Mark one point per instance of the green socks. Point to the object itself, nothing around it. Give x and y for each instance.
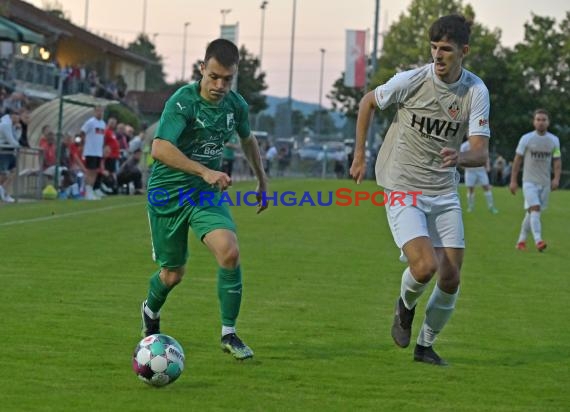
(229, 293)
(157, 293)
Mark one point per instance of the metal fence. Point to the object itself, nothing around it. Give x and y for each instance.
(28, 177)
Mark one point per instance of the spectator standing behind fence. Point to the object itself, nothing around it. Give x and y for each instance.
(73, 148)
(16, 102)
(130, 172)
(499, 170)
(92, 133)
(270, 155)
(112, 156)
(24, 122)
(282, 160)
(47, 144)
(9, 136)
(126, 144)
(136, 143)
(122, 138)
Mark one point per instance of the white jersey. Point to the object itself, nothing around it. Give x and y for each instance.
(538, 152)
(94, 130)
(431, 115)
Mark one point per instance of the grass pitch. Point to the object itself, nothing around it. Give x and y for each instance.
(319, 289)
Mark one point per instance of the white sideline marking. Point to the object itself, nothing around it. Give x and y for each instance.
(80, 212)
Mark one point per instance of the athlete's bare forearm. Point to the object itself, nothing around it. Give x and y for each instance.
(253, 156)
(365, 112)
(477, 155)
(165, 152)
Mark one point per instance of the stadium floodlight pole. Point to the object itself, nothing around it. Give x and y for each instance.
(375, 39)
(262, 7)
(323, 51)
(144, 18)
(184, 51)
(371, 73)
(289, 97)
(224, 13)
(86, 13)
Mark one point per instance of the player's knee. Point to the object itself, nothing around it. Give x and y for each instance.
(172, 276)
(229, 257)
(424, 269)
(449, 280)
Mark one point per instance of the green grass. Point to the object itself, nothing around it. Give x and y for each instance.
(320, 284)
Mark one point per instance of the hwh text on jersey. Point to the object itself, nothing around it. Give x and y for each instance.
(427, 126)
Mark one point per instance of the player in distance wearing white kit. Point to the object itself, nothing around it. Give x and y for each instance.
(477, 176)
(539, 149)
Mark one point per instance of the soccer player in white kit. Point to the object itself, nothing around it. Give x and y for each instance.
(540, 149)
(437, 105)
(477, 176)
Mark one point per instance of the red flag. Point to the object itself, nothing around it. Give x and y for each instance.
(355, 72)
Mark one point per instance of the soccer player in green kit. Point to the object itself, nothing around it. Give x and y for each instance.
(197, 121)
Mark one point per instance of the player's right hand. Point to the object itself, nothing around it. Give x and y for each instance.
(216, 178)
(513, 186)
(358, 170)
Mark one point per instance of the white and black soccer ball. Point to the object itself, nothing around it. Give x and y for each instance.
(158, 360)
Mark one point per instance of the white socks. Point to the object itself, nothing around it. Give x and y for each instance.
(410, 289)
(150, 313)
(535, 226)
(470, 200)
(531, 222)
(525, 228)
(489, 197)
(227, 330)
(438, 311)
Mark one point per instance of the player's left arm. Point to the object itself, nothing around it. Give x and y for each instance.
(253, 156)
(478, 153)
(479, 131)
(557, 163)
(251, 152)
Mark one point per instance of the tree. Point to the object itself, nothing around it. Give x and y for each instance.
(250, 81)
(327, 122)
(55, 8)
(538, 71)
(154, 79)
(345, 99)
(266, 123)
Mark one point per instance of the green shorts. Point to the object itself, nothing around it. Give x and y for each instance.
(169, 234)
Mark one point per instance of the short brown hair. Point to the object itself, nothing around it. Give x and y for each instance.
(453, 27)
(541, 111)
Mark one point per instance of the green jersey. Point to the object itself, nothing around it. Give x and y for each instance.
(199, 129)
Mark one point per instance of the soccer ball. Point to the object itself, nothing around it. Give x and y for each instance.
(158, 360)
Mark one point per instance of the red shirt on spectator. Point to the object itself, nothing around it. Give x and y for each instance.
(49, 153)
(113, 143)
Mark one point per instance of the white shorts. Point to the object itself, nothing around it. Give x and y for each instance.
(535, 195)
(476, 176)
(437, 217)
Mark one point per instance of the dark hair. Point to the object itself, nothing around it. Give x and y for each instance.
(540, 111)
(453, 27)
(224, 51)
